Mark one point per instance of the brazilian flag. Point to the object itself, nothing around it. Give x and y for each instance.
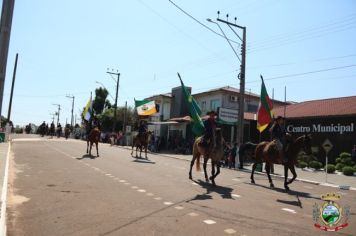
(194, 110)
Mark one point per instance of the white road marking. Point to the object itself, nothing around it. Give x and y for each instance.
(193, 214)
(289, 210)
(168, 203)
(158, 198)
(108, 174)
(149, 194)
(141, 190)
(237, 180)
(122, 181)
(179, 207)
(195, 183)
(236, 195)
(209, 222)
(230, 231)
(134, 187)
(127, 183)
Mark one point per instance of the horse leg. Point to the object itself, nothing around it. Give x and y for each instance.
(292, 169)
(268, 170)
(252, 172)
(87, 146)
(90, 146)
(191, 166)
(217, 171)
(146, 152)
(132, 149)
(97, 150)
(286, 177)
(212, 173)
(204, 167)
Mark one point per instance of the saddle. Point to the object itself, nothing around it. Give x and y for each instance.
(273, 152)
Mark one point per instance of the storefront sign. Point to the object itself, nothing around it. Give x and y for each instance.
(319, 128)
(229, 116)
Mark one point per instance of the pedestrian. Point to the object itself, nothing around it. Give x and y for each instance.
(233, 154)
(353, 153)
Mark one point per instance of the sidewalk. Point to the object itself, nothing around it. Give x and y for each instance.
(314, 177)
(4, 147)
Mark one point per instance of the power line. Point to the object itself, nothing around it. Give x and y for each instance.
(305, 73)
(200, 23)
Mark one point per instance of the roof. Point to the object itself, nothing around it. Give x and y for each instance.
(227, 89)
(316, 108)
(168, 95)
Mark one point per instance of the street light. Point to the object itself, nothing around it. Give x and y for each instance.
(71, 119)
(59, 109)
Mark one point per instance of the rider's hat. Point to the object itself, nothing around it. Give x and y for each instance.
(211, 113)
(279, 118)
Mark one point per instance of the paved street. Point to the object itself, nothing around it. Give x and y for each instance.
(54, 189)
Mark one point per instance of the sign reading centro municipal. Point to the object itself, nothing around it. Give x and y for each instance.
(319, 128)
(228, 116)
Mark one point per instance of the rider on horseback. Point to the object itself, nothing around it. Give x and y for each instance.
(142, 129)
(279, 135)
(210, 127)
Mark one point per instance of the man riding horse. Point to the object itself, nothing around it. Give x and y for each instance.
(210, 127)
(280, 137)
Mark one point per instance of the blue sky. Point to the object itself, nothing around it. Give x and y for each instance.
(65, 46)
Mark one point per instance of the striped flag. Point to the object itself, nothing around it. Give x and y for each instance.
(88, 110)
(264, 113)
(145, 107)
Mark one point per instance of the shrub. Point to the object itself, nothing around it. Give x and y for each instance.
(339, 166)
(331, 168)
(355, 168)
(348, 170)
(315, 164)
(302, 164)
(345, 155)
(338, 160)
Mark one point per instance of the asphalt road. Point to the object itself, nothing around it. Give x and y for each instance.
(55, 189)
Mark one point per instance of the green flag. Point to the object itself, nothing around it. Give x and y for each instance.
(264, 113)
(194, 110)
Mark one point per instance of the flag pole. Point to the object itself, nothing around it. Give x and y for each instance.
(285, 101)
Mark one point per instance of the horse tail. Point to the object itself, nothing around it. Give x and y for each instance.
(196, 154)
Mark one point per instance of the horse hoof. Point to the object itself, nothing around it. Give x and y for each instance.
(190, 177)
(271, 185)
(252, 181)
(211, 177)
(207, 180)
(286, 188)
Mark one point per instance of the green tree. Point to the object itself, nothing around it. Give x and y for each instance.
(100, 100)
(107, 118)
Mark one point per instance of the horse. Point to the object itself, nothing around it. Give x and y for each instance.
(93, 137)
(215, 154)
(267, 152)
(141, 141)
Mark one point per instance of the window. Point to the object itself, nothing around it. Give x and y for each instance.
(214, 104)
(252, 108)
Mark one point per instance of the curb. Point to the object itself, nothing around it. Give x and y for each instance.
(261, 173)
(4, 195)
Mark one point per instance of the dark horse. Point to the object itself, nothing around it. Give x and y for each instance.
(93, 137)
(215, 154)
(267, 152)
(141, 142)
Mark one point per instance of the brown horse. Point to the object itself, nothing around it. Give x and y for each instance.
(141, 142)
(268, 153)
(93, 137)
(215, 154)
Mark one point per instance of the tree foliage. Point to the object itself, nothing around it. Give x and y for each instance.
(100, 100)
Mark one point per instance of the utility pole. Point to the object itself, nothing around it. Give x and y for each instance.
(12, 88)
(5, 31)
(71, 119)
(117, 90)
(241, 76)
(59, 109)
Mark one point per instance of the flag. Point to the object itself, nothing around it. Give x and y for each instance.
(145, 107)
(194, 110)
(264, 113)
(88, 110)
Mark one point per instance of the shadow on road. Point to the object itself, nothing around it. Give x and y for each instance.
(86, 156)
(290, 192)
(145, 161)
(224, 192)
(293, 203)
